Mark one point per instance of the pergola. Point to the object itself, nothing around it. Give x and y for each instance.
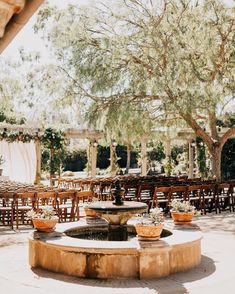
(70, 133)
(93, 137)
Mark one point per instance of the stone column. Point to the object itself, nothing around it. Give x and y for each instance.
(168, 148)
(93, 154)
(143, 156)
(168, 165)
(38, 162)
(190, 160)
(112, 160)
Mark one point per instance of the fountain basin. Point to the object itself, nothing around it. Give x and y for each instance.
(112, 259)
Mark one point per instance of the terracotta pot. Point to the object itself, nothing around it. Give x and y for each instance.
(148, 232)
(45, 225)
(182, 218)
(90, 212)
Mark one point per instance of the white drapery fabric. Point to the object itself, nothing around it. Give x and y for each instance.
(20, 161)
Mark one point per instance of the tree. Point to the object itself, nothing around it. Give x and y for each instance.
(10, 93)
(173, 57)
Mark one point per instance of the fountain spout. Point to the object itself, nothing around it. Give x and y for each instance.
(118, 193)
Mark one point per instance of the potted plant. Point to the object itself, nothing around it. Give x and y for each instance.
(182, 212)
(1, 163)
(44, 221)
(150, 225)
(88, 211)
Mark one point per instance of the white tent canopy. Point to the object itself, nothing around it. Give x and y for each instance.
(20, 160)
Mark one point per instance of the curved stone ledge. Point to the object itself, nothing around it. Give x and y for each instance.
(110, 259)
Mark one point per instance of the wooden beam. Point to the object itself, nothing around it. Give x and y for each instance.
(17, 21)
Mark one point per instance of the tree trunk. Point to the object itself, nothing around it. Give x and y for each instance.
(128, 159)
(216, 163)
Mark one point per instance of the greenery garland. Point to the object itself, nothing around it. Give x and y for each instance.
(18, 136)
(51, 138)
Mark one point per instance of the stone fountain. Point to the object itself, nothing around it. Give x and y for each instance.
(117, 213)
(63, 252)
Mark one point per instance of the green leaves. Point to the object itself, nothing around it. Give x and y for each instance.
(53, 139)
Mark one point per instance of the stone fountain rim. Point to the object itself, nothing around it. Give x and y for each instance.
(178, 237)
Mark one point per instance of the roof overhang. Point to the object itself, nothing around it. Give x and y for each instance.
(14, 14)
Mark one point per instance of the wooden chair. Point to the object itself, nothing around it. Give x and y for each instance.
(145, 193)
(45, 199)
(104, 192)
(232, 195)
(194, 196)
(85, 185)
(224, 196)
(209, 198)
(25, 201)
(179, 192)
(7, 208)
(65, 206)
(84, 196)
(130, 192)
(161, 198)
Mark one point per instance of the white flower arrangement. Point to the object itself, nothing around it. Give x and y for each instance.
(46, 213)
(155, 217)
(181, 206)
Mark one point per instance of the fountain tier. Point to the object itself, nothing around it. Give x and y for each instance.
(117, 215)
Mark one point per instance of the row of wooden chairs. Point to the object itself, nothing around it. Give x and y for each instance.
(14, 206)
(205, 198)
(102, 186)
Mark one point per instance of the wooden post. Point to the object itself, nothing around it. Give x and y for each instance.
(38, 162)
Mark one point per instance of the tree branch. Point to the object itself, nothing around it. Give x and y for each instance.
(226, 136)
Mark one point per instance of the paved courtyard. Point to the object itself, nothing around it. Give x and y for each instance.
(216, 273)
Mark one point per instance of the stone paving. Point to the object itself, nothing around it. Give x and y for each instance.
(216, 273)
